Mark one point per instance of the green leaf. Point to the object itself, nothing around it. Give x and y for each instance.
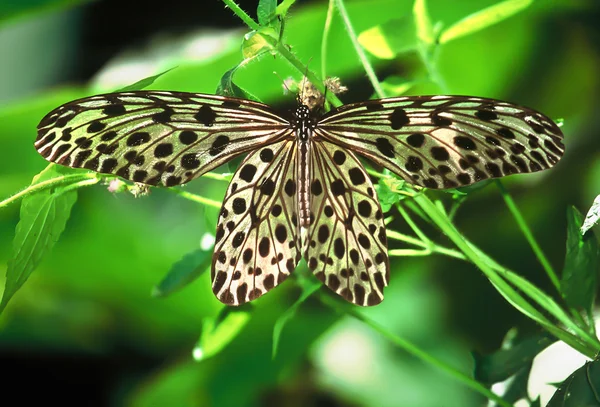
(474, 187)
(582, 262)
(581, 389)
(517, 387)
(266, 12)
(483, 19)
(42, 220)
(219, 331)
(592, 217)
(143, 83)
(228, 88)
(309, 287)
(284, 6)
(256, 43)
(12, 10)
(423, 22)
(190, 267)
(387, 40)
(396, 86)
(516, 354)
(386, 188)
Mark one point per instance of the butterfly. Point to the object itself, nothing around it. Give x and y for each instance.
(301, 190)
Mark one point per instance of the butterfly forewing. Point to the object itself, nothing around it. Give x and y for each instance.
(446, 141)
(257, 244)
(346, 245)
(170, 138)
(157, 138)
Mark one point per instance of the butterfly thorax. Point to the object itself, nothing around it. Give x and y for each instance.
(304, 125)
(301, 190)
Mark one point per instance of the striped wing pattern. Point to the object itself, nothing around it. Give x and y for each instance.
(169, 138)
(346, 244)
(257, 240)
(156, 138)
(446, 141)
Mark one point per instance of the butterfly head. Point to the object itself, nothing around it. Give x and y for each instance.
(302, 113)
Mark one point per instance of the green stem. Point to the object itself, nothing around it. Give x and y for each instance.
(49, 184)
(359, 50)
(196, 198)
(420, 354)
(284, 52)
(325, 39)
(242, 15)
(413, 225)
(512, 207)
(588, 348)
(77, 185)
(310, 75)
(428, 56)
(408, 252)
(392, 234)
(374, 173)
(218, 177)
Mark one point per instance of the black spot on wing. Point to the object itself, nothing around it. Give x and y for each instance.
(399, 119)
(385, 147)
(206, 115)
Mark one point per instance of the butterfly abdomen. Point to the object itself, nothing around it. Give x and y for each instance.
(303, 128)
(301, 190)
(303, 179)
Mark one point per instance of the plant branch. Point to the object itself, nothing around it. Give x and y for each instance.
(590, 345)
(242, 15)
(512, 207)
(412, 349)
(359, 50)
(196, 198)
(52, 183)
(324, 41)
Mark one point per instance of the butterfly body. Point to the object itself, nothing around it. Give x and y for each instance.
(304, 125)
(301, 190)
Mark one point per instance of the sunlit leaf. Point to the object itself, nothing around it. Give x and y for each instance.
(396, 86)
(483, 19)
(143, 83)
(387, 40)
(218, 332)
(42, 220)
(255, 43)
(423, 22)
(582, 262)
(592, 217)
(387, 197)
(284, 6)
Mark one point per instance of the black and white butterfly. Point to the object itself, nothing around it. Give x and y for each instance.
(301, 190)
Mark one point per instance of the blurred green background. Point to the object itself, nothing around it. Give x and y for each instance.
(85, 330)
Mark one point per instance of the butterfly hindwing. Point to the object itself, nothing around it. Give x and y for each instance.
(257, 244)
(156, 137)
(446, 141)
(169, 138)
(346, 245)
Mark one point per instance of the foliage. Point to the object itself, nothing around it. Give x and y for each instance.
(113, 250)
